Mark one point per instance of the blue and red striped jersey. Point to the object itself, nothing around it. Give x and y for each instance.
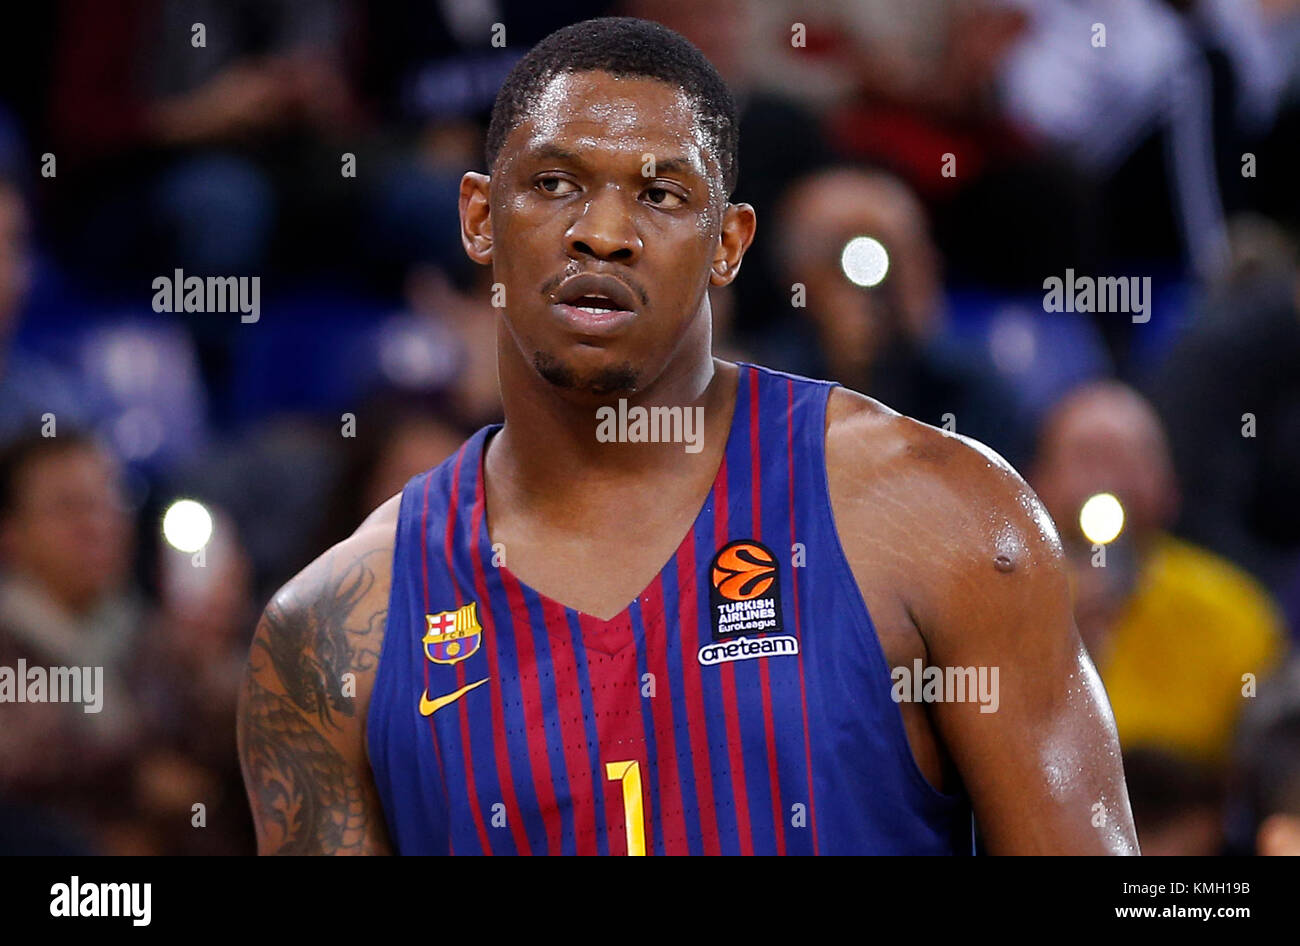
(739, 705)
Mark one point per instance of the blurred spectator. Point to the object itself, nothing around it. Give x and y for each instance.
(274, 482)
(1177, 803)
(294, 485)
(140, 378)
(66, 601)
(466, 322)
(398, 436)
(187, 675)
(1172, 627)
(887, 341)
(1159, 116)
(1229, 394)
(432, 64)
(1275, 191)
(66, 546)
(910, 86)
(191, 129)
(1266, 784)
(217, 153)
(30, 387)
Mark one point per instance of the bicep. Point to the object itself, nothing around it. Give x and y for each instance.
(1043, 771)
(1043, 767)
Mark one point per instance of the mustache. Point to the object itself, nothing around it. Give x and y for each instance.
(553, 283)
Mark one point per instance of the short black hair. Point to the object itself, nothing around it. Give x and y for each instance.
(622, 46)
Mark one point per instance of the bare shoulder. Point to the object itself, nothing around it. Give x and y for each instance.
(306, 690)
(969, 571)
(934, 499)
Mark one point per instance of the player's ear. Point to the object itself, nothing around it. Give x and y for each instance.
(476, 217)
(738, 225)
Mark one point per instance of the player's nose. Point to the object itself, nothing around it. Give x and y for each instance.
(603, 230)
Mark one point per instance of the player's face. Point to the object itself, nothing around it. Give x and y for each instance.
(606, 215)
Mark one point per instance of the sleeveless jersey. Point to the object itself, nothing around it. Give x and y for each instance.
(739, 705)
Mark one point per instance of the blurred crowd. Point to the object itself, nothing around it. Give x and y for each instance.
(988, 145)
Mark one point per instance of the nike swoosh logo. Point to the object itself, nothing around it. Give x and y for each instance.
(428, 707)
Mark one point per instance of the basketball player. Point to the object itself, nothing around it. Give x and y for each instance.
(569, 638)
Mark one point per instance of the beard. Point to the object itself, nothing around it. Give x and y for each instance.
(615, 379)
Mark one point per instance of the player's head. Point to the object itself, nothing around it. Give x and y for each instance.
(612, 154)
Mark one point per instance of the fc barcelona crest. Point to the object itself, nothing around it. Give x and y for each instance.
(452, 636)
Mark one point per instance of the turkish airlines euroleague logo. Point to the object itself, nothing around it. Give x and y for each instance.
(743, 570)
(744, 591)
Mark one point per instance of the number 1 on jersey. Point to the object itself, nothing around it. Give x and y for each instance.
(629, 773)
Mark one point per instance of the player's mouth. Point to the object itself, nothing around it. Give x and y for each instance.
(595, 305)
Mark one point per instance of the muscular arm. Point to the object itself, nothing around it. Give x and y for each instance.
(982, 582)
(1043, 770)
(301, 721)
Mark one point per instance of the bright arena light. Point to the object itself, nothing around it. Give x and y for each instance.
(187, 525)
(865, 261)
(1101, 518)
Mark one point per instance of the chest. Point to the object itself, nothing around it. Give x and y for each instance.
(563, 724)
(597, 560)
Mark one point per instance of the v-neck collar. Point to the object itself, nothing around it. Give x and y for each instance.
(608, 636)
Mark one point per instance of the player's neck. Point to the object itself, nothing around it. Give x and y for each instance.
(555, 442)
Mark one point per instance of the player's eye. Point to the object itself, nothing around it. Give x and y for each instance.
(663, 197)
(554, 185)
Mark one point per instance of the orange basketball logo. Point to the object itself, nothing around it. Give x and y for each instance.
(743, 571)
